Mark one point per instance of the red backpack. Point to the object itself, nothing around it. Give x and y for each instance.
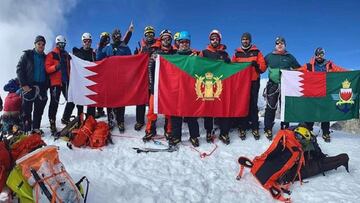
(283, 155)
(100, 136)
(82, 135)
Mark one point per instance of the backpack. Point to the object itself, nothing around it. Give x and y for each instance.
(100, 136)
(25, 145)
(41, 177)
(82, 135)
(5, 164)
(284, 154)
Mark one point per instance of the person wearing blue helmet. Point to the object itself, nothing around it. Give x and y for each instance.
(176, 121)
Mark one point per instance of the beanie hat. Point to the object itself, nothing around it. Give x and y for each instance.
(319, 51)
(39, 38)
(246, 35)
(280, 39)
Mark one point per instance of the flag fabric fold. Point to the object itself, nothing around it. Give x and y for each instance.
(199, 87)
(113, 82)
(319, 96)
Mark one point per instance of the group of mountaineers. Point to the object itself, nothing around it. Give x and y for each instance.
(37, 72)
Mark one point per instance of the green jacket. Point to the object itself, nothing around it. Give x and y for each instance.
(276, 62)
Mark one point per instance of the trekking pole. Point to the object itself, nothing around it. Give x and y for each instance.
(41, 184)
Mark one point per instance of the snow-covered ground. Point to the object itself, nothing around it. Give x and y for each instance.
(118, 174)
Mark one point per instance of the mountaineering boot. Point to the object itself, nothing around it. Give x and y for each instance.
(268, 134)
(65, 121)
(174, 141)
(167, 135)
(148, 136)
(209, 137)
(326, 137)
(121, 127)
(138, 126)
(225, 138)
(242, 134)
(194, 141)
(256, 134)
(53, 129)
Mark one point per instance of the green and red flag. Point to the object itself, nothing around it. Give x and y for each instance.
(319, 96)
(199, 87)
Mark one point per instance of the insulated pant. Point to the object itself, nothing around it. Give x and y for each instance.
(80, 109)
(152, 117)
(272, 98)
(314, 167)
(55, 92)
(140, 113)
(177, 127)
(118, 112)
(34, 102)
(253, 116)
(325, 126)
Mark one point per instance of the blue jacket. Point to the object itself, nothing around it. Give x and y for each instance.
(121, 50)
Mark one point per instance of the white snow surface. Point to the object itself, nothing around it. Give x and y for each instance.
(118, 174)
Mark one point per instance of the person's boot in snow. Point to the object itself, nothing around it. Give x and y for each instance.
(121, 127)
(53, 129)
(225, 138)
(326, 137)
(194, 141)
(242, 134)
(138, 126)
(268, 134)
(256, 134)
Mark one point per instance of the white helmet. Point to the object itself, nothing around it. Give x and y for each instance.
(60, 39)
(86, 35)
(217, 32)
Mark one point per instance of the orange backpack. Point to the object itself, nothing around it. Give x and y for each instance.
(100, 136)
(26, 145)
(82, 135)
(284, 154)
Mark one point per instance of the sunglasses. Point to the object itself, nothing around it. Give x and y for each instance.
(149, 34)
(168, 39)
(184, 42)
(215, 39)
(278, 43)
(87, 40)
(321, 55)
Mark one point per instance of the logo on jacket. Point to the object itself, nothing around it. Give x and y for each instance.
(345, 97)
(208, 87)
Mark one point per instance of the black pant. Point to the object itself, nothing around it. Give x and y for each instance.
(35, 100)
(55, 92)
(80, 109)
(118, 112)
(314, 167)
(253, 116)
(224, 124)
(325, 126)
(272, 98)
(140, 113)
(176, 124)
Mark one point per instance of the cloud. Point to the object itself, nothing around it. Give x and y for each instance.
(21, 21)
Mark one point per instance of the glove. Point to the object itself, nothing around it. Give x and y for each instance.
(227, 60)
(1, 108)
(256, 66)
